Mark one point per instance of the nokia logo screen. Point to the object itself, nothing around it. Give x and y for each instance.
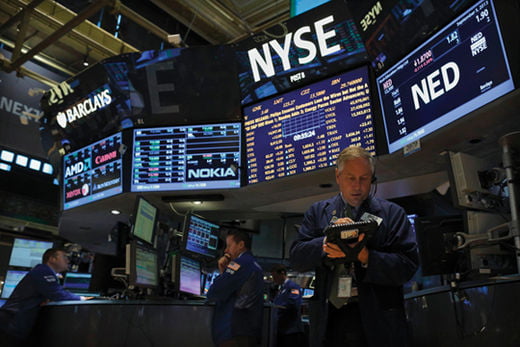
(194, 157)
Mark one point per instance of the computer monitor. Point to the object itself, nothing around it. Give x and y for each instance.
(12, 278)
(201, 237)
(142, 266)
(28, 253)
(76, 281)
(145, 219)
(186, 274)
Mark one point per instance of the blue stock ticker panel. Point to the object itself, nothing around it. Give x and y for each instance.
(458, 70)
(305, 129)
(186, 157)
(93, 172)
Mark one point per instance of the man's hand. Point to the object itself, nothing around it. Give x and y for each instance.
(223, 262)
(84, 298)
(334, 251)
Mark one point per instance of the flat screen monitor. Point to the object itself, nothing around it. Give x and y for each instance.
(459, 69)
(12, 278)
(76, 281)
(206, 156)
(187, 275)
(145, 220)
(201, 236)
(307, 128)
(142, 266)
(93, 172)
(28, 253)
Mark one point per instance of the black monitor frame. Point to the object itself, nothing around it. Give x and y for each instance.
(435, 239)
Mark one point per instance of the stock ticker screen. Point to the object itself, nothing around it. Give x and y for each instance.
(459, 69)
(186, 157)
(307, 128)
(93, 172)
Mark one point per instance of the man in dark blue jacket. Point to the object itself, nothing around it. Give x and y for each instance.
(39, 286)
(238, 293)
(360, 302)
(287, 306)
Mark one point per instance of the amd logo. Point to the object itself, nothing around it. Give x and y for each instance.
(76, 169)
(265, 62)
(211, 173)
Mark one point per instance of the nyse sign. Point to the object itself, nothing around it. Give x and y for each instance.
(264, 61)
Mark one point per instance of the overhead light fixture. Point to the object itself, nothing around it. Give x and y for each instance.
(115, 212)
(85, 60)
(197, 202)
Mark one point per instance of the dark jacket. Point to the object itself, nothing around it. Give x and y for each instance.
(393, 260)
(238, 294)
(289, 317)
(19, 313)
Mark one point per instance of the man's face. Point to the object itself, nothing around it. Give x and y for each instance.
(354, 180)
(59, 262)
(233, 248)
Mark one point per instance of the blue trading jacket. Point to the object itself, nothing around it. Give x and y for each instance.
(238, 294)
(289, 317)
(18, 314)
(392, 261)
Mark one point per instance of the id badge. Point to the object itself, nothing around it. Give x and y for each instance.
(344, 286)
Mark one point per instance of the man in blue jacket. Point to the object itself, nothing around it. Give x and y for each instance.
(287, 306)
(238, 293)
(360, 302)
(39, 286)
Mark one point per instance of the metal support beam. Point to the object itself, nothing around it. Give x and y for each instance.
(143, 22)
(22, 33)
(17, 17)
(89, 11)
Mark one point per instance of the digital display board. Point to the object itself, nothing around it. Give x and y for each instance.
(318, 43)
(186, 157)
(28, 253)
(307, 128)
(201, 236)
(458, 70)
(93, 172)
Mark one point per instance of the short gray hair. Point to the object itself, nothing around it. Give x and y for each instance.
(354, 152)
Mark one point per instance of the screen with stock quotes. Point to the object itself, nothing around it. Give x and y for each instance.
(459, 69)
(305, 129)
(186, 157)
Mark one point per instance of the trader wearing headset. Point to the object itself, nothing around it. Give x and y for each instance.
(358, 298)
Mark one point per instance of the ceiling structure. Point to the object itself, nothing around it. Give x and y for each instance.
(61, 38)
